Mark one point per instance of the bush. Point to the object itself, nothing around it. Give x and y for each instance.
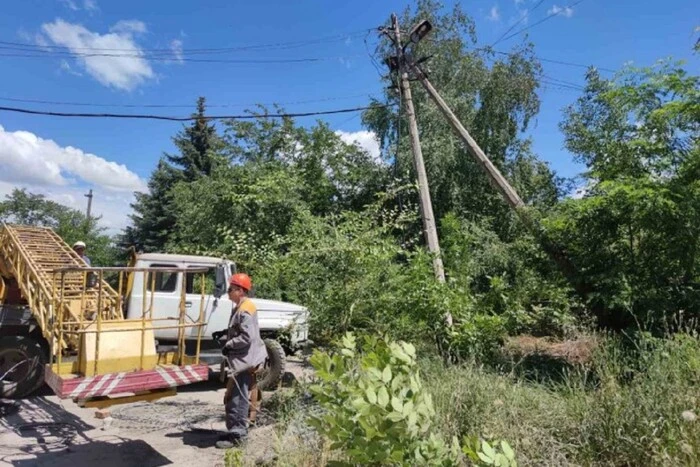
(375, 408)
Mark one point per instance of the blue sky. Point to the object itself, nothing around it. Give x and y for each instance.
(49, 155)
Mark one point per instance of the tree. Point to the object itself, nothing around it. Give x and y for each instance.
(334, 175)
(153, 219)
(22, 207)
(200, 151)
(200, 146)
(495, 102)
(636, 233)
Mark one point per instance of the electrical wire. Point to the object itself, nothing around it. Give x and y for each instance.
(174, 106)
(184, 59)
(372, 56)
(184, 119)
(562, 82)
(546, 18)
(276, 45)
(522, 18)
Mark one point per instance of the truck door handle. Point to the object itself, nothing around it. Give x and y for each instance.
(188, 304)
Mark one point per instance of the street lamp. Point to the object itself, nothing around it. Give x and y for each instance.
(419, 31)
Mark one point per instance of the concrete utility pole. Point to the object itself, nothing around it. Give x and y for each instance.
(405, 61)
(499, 181)
(426, 205)
(89, 206)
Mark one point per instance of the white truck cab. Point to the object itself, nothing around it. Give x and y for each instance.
(283, 325)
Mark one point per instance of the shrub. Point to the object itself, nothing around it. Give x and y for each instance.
(375, 409)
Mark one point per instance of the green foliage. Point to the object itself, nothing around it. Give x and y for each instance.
(493, 95)
(481, 453)
(627, 408)
(375, 408)
(25, 208)
(635, 235)
(356, 275)
(233, 458)
(154, 218)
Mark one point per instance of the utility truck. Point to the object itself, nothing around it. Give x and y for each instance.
(102, 336)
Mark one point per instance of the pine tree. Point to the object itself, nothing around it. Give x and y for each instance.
(200, 146)
(200, 149)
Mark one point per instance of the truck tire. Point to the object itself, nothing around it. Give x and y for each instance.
(270, 376)
(22, 361)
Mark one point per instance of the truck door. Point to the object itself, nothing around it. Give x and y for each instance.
(165, 298)
(217, 306)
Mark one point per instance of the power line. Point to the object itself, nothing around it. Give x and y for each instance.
(522, 18)
(539, 57)
(542, 59)
(547, 18)
(185, 59)
(174, 106)
(276, 45)
(249, 116)
(563, 82)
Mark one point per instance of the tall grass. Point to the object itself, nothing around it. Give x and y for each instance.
(633, 405)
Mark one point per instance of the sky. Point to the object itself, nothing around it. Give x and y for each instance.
(65, 157)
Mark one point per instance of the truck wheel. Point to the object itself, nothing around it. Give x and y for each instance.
(270, 376)
(22, 361)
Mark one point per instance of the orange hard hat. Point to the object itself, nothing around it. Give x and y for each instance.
(241, 280)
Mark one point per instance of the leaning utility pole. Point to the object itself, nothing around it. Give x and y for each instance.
(497, 179)
(426, 206)
(89, 206)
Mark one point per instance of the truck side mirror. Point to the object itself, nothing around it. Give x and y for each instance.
(220, 286)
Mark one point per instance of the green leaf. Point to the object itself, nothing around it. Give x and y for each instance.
(409, 348)
(386, 374)
(396, 404)
(412, 417)
(507, 450)
(359, 403)
(371, 395)
(487, 460)
(488, 450)
(383, 397)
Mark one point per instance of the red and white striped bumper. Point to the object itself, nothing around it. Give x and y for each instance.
(126, 382)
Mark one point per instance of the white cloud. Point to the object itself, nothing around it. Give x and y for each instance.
(70, 4)
(128, 26)
(65, 66)
(28, 158)
(90, 5)
(126, 71)
(366, 140)
(87, 5)
(64, 175)
(494, 14)
(562, 11)
(176, 48)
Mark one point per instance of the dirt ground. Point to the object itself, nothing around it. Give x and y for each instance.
(173, 431)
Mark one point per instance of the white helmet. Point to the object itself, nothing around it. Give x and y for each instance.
(79, 245)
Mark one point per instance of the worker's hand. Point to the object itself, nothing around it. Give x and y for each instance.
(217, 335)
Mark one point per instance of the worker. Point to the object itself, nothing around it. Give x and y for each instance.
(79, 247)
(90, 278)
(245, 352)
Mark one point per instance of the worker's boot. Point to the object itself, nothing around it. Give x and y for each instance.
(228, 442)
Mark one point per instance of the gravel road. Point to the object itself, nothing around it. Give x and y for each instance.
(173, 431)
